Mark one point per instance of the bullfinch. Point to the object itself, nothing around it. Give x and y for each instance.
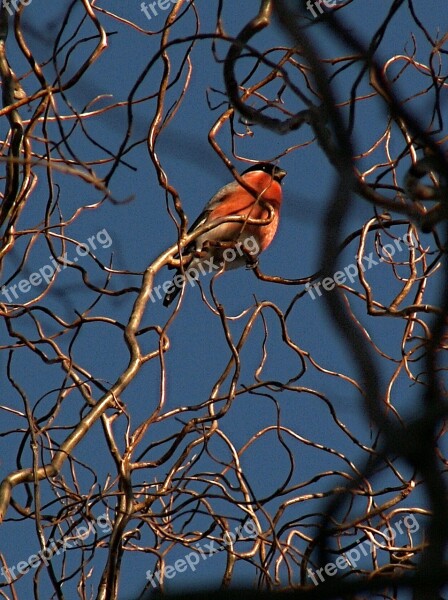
(232, 245)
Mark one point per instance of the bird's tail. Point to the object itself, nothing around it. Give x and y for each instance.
(171, 294)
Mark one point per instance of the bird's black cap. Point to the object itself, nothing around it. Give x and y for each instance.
(275, 171)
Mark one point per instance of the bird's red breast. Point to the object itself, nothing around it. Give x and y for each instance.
(241, 202)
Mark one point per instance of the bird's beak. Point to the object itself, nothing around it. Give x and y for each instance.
(279, 174)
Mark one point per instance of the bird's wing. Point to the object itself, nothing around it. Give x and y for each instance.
(206, 211)
(213, 203)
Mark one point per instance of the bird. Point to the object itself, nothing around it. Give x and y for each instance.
(233, 244)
